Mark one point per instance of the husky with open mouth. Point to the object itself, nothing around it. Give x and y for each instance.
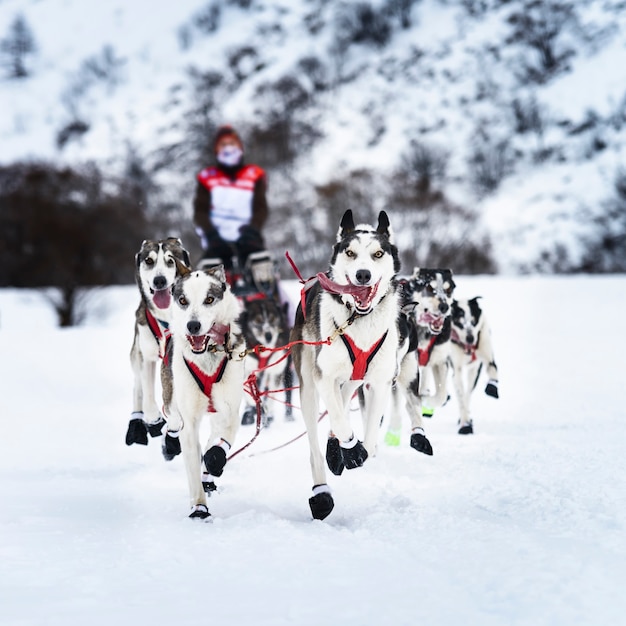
(155, 273)
(348, 319)
(426, 298)
(433, 291)
(203, 373)
(471, 348)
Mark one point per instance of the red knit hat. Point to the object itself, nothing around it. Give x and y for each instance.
(226, 131)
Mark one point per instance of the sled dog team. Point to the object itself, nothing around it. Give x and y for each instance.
(360, 330)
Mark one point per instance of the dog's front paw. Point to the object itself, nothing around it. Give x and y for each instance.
(420, 443)
(334, 458)
(492, 389)
(208, 484)
(171, 446)
(199, 511)
(321, 503)
(155, 429)
(392, 438)
(137, 432)
(354, 455)
(215, 460)
(467, 429)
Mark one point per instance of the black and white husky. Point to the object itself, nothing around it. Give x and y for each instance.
(471, 348)
(349, 316)
(264, 323)
(155, 273)
(426, 297)
(203, 372)
(434, 289)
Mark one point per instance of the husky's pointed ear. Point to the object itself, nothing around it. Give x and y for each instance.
(186, 259)
(217, 271)
(383, 224)
(181, 268)
(137, 259)
(347, 223)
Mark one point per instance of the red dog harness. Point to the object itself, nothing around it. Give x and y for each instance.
(468, 348)
(361, 358)
(205, 381)
(423, 356)
(160, 331)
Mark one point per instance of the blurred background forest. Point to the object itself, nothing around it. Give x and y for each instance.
(492, 131)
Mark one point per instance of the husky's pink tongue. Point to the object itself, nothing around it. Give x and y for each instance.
(363, 294)
(434, 321)
(162, 298)
(197, 342)
(218, 332)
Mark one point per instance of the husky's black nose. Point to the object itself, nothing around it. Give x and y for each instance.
(363, 276)
(268, 336)
(443, 307)
(193, 327)
(470, 338)
(159, 282)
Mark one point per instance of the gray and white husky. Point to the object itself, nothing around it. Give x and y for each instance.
(264, 324)
(354, 306)
(155, 273)
(202, 372)
(470, 349)
(426, 297)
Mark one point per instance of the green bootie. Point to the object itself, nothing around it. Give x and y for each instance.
(392, 438)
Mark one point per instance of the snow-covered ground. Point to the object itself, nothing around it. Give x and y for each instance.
(522, 523)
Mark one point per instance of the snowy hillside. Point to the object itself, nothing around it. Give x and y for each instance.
(516, 109)
(520, 524)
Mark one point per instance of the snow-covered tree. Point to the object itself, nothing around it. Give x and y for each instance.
(17, 46)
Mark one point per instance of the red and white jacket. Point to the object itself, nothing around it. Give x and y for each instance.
(231, 199)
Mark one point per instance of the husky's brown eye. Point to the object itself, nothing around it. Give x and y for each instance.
(378, 254)
(149, 261)
(183, 301)
(170, 262)
(350, 254)
(209, 300)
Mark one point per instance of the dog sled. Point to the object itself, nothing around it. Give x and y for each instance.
(257, 276)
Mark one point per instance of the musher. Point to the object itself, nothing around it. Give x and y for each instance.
(230, 205)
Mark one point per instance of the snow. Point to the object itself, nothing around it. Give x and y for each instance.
(521, 523)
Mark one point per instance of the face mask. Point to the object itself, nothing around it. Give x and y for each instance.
(229, 155)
